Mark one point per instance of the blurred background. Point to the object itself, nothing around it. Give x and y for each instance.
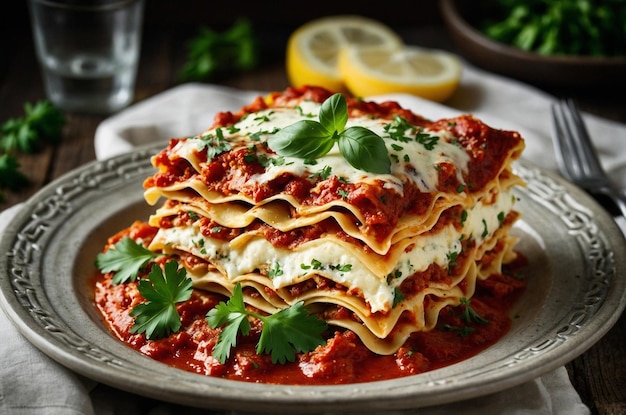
(272, 23)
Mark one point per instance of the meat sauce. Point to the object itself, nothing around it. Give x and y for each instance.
(342, 360)
(380, 207)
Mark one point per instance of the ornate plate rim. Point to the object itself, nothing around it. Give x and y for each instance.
(31, 243)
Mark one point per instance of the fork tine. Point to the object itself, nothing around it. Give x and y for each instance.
(581, 144)
(566, 157)
(574, 150)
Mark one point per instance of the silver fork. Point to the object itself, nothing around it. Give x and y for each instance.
(577, 158)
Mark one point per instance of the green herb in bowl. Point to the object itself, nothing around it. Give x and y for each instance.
(556, 27)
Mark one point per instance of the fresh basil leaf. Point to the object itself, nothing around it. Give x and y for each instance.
(334, 114)
(364, 150)
(304, 139)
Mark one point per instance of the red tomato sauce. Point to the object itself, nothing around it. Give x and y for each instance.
(343, 360)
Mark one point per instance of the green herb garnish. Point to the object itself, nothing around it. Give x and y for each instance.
(211, 53)
(10, 176)
(41, 123)
(469, 314)
(158, 317)
(284, 333)
(554, 27)
(125, 258)
(308, 139)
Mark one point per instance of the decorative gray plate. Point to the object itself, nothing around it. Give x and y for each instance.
(575, 293)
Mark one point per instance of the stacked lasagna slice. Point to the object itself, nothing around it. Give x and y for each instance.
(378, 254)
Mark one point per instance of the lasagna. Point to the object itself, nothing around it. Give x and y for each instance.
(379, 254)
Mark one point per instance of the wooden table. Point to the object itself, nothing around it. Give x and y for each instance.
(599, 374)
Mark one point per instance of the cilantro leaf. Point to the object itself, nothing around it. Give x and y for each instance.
(126, 258)
(285, 332)
(308, 139)
(159, 317)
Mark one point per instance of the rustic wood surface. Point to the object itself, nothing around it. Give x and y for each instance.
(599, 374)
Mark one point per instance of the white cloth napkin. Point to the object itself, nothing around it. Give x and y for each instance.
(30, 383)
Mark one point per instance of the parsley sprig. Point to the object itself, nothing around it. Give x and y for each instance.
(42, 122)
(309, 139)
(283, 334)
(125, 258)
(158, 317)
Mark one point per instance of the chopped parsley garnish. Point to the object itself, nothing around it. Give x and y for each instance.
(401, 130)
(463, 216)
(485, 229)
(308, 139)
(501, 217)
(318, 266)
(214, 143)
(398, 297)
(427, 140)
(284, 333)
(452, 257)
(275, 272)
(323, 174)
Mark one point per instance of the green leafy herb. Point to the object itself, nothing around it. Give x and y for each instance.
(555, 27)
(41, 122)
(308, 139)
(125, 258)
(452, 258)
(275, 272)
(463, 331)
(398, 297)
(469, 315)
(215, 144)
(211, 52)
(428, 141)
(485, 229)
(158, 317)
(283, 334)
(10, 176)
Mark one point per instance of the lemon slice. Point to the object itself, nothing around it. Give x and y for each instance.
(428, 73)
(313, 48)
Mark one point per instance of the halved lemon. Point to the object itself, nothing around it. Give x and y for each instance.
(313, 48)
(428, 73)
